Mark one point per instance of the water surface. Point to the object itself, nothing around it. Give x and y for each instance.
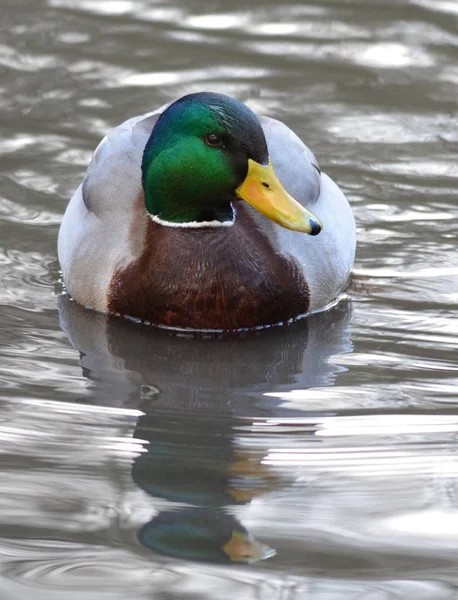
(326, 451)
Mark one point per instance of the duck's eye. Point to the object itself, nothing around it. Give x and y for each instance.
(211, 139)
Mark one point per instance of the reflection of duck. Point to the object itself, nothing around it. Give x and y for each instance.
(196, 394)
(202, 534)
(194, 461)
(157, 230)
(222, 375)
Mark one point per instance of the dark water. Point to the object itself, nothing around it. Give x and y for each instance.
(325, 454)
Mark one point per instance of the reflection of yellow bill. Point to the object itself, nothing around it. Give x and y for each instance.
(245, 495)
(242, 547)
(263, 190)
(249, 476)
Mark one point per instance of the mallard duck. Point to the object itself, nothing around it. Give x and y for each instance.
(196, 217)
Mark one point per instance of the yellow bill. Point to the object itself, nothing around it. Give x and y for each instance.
(263, 190)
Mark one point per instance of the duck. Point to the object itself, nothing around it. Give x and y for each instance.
(202, 215)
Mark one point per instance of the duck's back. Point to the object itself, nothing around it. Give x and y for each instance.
(105, 222)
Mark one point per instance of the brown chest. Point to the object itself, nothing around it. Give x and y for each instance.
(210, 278)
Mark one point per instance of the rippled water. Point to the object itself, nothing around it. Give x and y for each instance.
(326, 451)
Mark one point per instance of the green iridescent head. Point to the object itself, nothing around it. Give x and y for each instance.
(207, 151)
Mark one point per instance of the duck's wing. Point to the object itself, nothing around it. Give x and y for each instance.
(326, 259)
(113, 177)
(102, 226)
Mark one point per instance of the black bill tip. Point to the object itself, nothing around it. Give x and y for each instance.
(316, 227)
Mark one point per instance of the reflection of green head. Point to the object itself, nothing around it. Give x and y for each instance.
(193, 461)
(202, 534)
(197, 155)
(187, 459)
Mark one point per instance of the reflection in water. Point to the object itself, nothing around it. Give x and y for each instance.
(137, 367)
(192, 460)
(196, 397)
(204, 534)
